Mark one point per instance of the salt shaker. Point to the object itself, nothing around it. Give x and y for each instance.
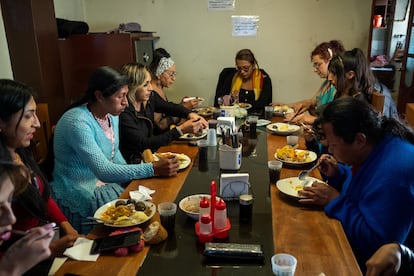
(220, 215)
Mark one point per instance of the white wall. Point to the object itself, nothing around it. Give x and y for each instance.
(201, 43)
(5, 65)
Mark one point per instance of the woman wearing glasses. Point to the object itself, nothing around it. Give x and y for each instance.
(246, 83)
(163, 73)
(320, 58)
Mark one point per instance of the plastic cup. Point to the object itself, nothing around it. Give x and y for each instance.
(202, 150)
(252, 122)
(283, 264)
(274, 166)
(167, 212)
(268, 112)
(292, 140)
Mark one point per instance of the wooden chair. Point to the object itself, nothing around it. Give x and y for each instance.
(377, 101)
(40, 142)
(409, 114)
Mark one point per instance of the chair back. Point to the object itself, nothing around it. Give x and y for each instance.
(377, 101)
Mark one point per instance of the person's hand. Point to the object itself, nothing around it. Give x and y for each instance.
(308, 133)
(328, 165)
(304, 118)
(166, 166)
(191, 126)
(385, 261)
(27, 251)
(318, 193)
(195, 117)
(57, 247)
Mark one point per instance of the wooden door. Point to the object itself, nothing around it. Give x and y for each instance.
(406, 91)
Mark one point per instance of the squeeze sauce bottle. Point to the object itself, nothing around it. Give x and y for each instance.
(220, 215)
(204, 208)
(206, 226)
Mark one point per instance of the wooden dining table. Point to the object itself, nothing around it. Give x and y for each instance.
(317, 241)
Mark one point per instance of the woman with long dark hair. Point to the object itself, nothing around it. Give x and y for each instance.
(89, 167)
(18, 123)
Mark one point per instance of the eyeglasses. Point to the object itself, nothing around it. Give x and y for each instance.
(171, 74)
(244, 68)
(316, 65)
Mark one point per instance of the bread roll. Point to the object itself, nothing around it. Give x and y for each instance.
(147, 156)
(155, 233)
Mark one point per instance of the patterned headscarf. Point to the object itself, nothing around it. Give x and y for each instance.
(163, 65)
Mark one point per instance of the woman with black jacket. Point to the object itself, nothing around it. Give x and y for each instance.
(137, 121)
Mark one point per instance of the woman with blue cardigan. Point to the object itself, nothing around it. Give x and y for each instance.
(89, 168)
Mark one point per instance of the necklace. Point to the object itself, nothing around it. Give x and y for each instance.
(106, 126)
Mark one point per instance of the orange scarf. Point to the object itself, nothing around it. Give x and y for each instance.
(257, 80)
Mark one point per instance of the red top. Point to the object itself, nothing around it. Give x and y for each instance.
(25, 221)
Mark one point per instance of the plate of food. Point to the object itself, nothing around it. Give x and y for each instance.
(183, 160)
(245, 105)
(125, 212)
(295, 157)
(290, 186)
(198, 99)
(191, 204)
(262, 122)
(205, 111)
(281, 110)
(282, 128)
(194, 136)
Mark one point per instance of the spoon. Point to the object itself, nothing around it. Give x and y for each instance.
(303, 174)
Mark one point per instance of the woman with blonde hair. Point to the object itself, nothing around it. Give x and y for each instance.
(137, 121)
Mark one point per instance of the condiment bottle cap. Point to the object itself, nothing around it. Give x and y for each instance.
(221, 205)
(205, 218)
(204, 203)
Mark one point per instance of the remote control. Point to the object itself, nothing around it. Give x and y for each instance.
(234, 251)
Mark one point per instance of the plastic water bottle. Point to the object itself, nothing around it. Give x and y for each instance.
(212, 133)
(220, 215)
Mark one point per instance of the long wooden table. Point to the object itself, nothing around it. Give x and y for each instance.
(318, 242)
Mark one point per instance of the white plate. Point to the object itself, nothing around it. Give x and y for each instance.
(262, 122)
(282, 128)
(312, 157)
(103, 208)
(183, 160)
(205, 111)
(290, 186)
(200, 100)
(245, 105)
(192, 136)
(278, 110)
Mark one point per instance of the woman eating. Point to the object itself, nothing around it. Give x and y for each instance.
(246, 83)
(137, 122)
(89, 168)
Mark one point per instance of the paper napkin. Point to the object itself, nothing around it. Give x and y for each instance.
(232, 185)
(80, 250)
(143, 193)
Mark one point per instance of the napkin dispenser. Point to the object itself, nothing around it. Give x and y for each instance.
(232, 185)
(226, 122)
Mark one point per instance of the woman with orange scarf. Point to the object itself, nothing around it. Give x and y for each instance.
(246, 83)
